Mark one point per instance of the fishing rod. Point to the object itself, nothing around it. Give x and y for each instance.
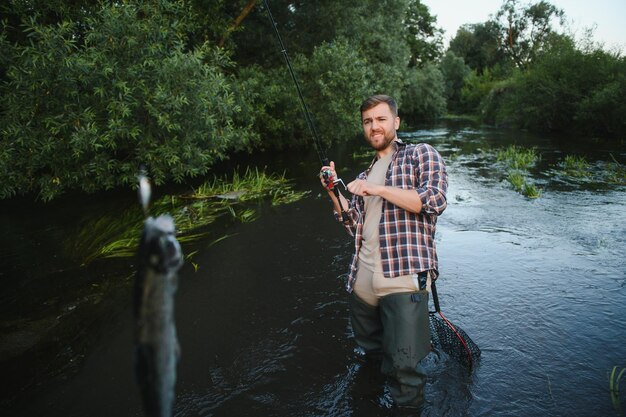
(329, 179)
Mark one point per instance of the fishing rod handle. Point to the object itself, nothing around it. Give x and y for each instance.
(433, 290)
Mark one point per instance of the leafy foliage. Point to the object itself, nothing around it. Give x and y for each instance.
(525, 30)
(479, 46)
(422, 35)
(570, 89)
(556, 82)
(87, 116)
(454, 72)
(423, 97)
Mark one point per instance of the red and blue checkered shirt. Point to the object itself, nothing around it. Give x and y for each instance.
(407, 240)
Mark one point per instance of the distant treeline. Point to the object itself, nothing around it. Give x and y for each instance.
(91, 91)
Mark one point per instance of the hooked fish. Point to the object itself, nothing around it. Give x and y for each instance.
(156, 344)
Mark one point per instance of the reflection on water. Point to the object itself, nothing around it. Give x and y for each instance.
(539, 284)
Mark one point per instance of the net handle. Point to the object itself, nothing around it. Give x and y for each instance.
(433, 290)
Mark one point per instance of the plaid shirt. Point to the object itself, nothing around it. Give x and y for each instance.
(407, 240)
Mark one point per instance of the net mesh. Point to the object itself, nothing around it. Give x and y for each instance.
(453, 341)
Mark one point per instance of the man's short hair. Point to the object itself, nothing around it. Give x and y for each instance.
(376, 99)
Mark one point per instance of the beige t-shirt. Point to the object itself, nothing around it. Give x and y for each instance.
(370, 282)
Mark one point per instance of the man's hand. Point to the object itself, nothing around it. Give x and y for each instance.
(328, 175)
(406, 199)
(364, 188)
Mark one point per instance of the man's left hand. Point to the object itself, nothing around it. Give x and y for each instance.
(363, 188)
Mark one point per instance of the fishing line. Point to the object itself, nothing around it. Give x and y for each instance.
(330, 180)
(307, 115)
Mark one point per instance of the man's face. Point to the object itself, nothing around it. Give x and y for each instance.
(379, 126)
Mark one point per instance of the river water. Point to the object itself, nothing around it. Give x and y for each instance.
(538, 284)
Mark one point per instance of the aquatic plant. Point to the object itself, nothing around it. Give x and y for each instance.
(576, 166)
(517, 180)
(518, 158)
(517, 161)
(286, 196)
(116, 236)
(244, 216)
(520, 185)
(614, 379)
(615, 172)
(531, 191)
(107, 236)
(254, 184)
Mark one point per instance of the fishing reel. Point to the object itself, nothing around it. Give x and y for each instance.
(330, 180)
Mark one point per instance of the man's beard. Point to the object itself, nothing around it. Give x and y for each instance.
(389, 137)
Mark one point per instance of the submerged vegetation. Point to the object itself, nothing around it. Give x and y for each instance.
(574, 169)
(517, 161)
(577, 169)
(117, 236)
(615, 172)
(576, 166)
(517, 157)
(614, 379)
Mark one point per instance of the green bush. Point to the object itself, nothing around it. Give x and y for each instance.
(569, 89)
(454, 73)
(475, 90)
(423, 97)
(86, 112)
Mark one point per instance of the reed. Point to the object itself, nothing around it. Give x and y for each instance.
(615, 172)
(576, 166)
(518, 158)
(614, 378)
(520, 185)
(517, 180)
(118, 236)
(531, 191)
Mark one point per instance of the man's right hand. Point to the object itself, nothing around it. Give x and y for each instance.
(328, 175)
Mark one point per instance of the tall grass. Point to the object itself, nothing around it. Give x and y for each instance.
(117, 236)
(518, 158)
(576, 166)
(252, 185)
(517, 161)
(531, 191)
(517, 180)
(614, 378)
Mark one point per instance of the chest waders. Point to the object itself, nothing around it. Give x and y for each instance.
(397, 332)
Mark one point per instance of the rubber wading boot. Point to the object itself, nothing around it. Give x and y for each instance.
(366, 325)
(406, 341)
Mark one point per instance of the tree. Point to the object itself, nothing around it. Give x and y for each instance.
(479, 46)
(454, 72)
(524, 30)
(87, 115)
(366, 38)
(569, 90)
(423, 97)
(422, 35)
(47, 12)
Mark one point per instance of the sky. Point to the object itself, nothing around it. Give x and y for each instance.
(609, 16)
